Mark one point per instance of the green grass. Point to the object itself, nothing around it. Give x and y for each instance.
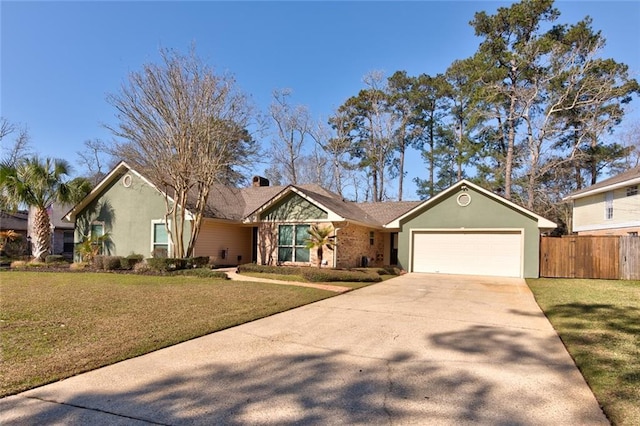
(55, 325)
(271, 276)
(599, 323)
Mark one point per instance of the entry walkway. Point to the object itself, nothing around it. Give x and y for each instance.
(233, 275)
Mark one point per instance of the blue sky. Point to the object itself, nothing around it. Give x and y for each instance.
(59, 60)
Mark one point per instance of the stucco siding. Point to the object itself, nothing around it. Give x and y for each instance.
(589, 212)
(294, 208)
(126, 213)
(216, 237)
(482, 213)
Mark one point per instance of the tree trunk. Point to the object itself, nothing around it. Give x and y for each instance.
(41, 241)
(319, 255)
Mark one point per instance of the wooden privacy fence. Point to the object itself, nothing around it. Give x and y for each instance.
(606, 257)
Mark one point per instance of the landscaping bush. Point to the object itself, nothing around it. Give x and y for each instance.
(385, 270)
(166, 264)
(336, 275)
(54, 258)
(268, 269)
(127, 263)
(197, 262)
(78, 266)
(202, 273)
(111, 263)
(98, 261)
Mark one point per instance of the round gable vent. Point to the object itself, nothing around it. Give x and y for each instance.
(464, 199)
(126, 181)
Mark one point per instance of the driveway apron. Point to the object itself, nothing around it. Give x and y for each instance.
(417, 349)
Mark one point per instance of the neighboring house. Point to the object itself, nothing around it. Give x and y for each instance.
(16, 221)
(464, 229)
(62, 232)
(610, 207)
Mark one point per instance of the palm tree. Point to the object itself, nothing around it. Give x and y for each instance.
(38, 183)
(318, 239)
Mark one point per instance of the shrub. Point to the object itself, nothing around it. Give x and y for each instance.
(268, 269)
(385, 270)
(202, 273)
(128, 263)
(111, 263)
(141, 267)
(76, 266)
(335, 275)
(54, 258)
(19, 264)
(98, 261)
(166, 264)
(197, 262)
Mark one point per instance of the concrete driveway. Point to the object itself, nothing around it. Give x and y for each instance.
(418, 349)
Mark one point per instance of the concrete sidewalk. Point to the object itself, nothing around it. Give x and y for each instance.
(417, 349)
(233, 275)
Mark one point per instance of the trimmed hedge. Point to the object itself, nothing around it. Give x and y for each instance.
(54, 258)
(166, 264)
(111, 263)
(98, 261)
(337, 275)
(268, 269)
(127, 263)
(202, 273)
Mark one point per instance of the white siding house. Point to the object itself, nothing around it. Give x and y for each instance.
(610, 207)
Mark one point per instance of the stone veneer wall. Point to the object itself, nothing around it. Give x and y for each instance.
(353, 243)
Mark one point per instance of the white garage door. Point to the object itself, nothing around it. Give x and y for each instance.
(494, 253)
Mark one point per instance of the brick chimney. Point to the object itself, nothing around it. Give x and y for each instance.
(260, 181)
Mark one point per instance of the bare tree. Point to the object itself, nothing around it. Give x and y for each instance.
(185, 127)
(20, 148)
(293, 126)
(94, 159)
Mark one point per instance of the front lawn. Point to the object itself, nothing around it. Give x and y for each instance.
(55, 325)
(599, 323)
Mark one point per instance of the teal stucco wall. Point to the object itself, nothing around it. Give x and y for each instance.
(482, 212)
(127, 214)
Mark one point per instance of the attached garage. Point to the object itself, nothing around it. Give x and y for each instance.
(468, 230)
(486, 252)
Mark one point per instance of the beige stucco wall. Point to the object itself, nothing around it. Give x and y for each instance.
(216, 236)
(589, 214)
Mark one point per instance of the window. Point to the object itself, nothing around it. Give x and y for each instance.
(632, 234)
(97, 231)
(632, 190)
(371, 238)
(160, 239)
(291, 243)
(67, 241)
(608, 205)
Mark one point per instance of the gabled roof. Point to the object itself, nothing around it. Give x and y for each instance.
(630, 177)
(16, 221)
(384, 212)
(95, 192)
(369, 214)
(543, 223)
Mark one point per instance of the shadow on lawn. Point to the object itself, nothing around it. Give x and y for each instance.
(604, 325)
